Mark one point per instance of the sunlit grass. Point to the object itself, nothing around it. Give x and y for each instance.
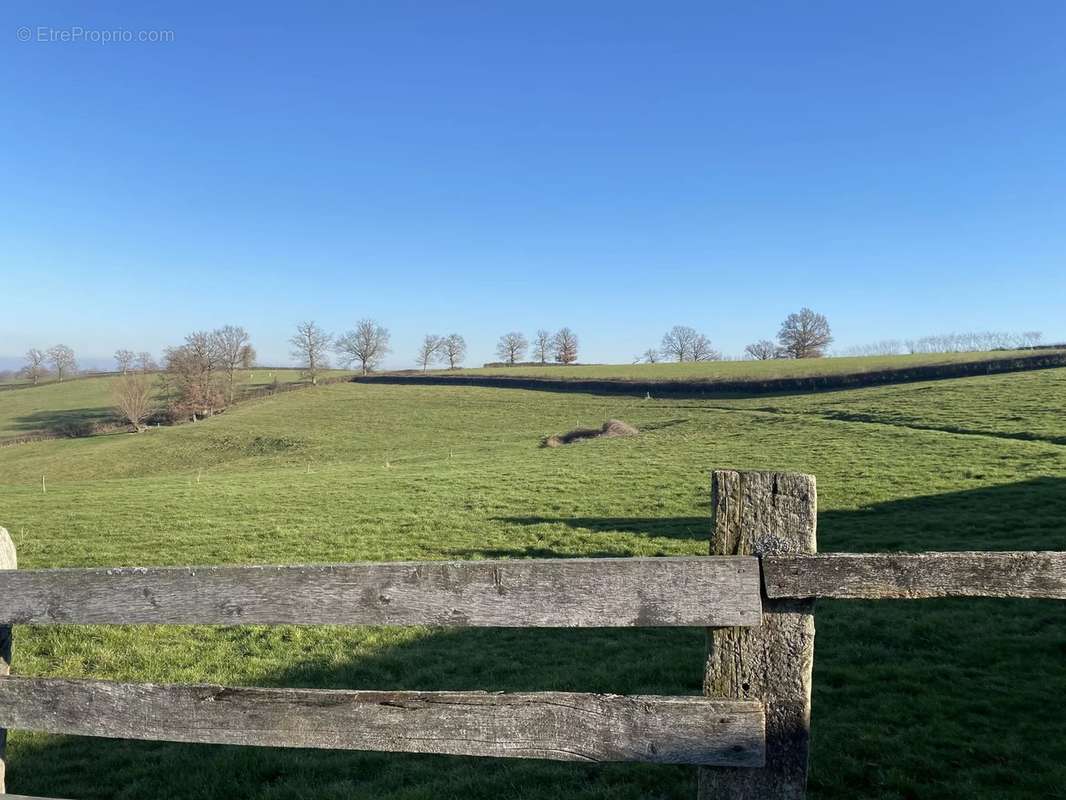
(352, 471)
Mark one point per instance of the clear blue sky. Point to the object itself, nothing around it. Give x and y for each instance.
(480, 167)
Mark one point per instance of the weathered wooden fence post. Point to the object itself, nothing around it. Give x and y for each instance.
(8, 560)
(764, 513)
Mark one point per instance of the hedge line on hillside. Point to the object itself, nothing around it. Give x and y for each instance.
(690, 388)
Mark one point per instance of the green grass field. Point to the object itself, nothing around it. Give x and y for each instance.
(52, 406)
(921, 699)
(740, 370)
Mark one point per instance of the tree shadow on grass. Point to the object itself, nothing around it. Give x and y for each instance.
(1025, 515)
(901, 689)
(69, 422)
(652, 527)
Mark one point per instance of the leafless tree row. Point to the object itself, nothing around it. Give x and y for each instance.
(59, 358)
(365, 345)
(560, 347)
(885, 347)
(972, 342)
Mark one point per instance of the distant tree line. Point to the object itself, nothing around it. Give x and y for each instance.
(365, 346)
(559, 347)
(57, 360)
(682, 343)
(198, 377)
(450, 350)
(972, 342)
(803, 334)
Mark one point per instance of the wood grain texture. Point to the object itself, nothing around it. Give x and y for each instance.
(762, 513)
(561, 726)
(8, 561)
(916, 575)
(600, 592)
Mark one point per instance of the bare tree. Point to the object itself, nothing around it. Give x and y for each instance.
(248, 357)
(229, 343)
(367, 345)
(564, 343)
(310, 346)
(35, 369)
(132, 396)
(429, 350)
(542, 346)
(762, 350)
(62, 360)
(703, 350)
(454, 347)
(511, 347)
(804, 334)
(124, 360)
(190, 383)
(193, 378)
(145, 362)
(651, 356)
(677, 342)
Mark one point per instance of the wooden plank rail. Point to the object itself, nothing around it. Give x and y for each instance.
(916, 575)
(579, 592)
(755, 595)
(560, 726)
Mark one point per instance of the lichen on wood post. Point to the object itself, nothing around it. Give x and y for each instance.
(765, 513)
(8, 560)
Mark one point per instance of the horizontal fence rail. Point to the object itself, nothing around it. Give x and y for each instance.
(916, 575)
(579, 592)
(560, 726)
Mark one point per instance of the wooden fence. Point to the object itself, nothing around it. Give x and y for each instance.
(748, 734)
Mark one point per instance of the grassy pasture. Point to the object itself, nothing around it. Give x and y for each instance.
(930, 699)
(740, 370)
(51, 406)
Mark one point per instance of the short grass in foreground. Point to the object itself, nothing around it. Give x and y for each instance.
(929, 699)
(740, 370)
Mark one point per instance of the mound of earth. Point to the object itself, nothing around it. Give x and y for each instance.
(612, 427)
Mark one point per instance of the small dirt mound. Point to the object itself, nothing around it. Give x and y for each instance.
(612, 427)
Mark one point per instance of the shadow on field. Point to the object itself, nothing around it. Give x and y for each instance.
(901, 688)
(1026, 515)
(70, 422)
(658, 527)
